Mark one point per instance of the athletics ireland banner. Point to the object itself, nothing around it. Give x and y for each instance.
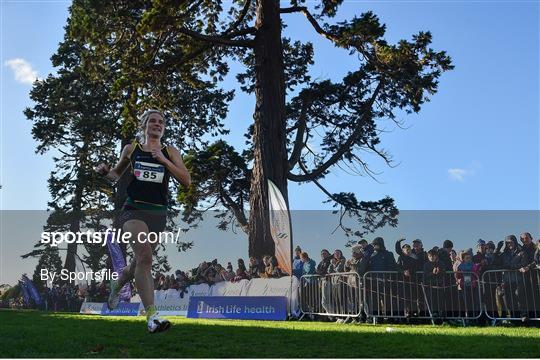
(280, 227)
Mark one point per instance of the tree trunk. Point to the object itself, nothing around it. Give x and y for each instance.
(269, 138)
(76, 215)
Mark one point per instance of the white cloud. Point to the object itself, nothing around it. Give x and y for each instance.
(458, 174)
(22, 70)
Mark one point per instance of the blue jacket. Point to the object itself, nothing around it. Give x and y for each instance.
(309, 267)
(298, 267)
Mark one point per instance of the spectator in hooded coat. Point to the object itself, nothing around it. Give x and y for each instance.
(382, 259)
(512, 257)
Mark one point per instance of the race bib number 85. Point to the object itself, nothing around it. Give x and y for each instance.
(144, 171)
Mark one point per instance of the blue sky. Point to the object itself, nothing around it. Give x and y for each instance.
(473, 147)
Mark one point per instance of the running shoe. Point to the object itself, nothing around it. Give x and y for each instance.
(157, 324)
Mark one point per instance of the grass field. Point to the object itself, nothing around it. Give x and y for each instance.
(40, 334)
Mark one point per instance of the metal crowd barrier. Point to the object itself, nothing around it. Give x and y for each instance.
(337, 295)
(511, 294)
(450, 295)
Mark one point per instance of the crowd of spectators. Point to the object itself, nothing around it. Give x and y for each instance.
(507, 254)
(412, 260)
(211, 272)
(439, 269)
(65, 297)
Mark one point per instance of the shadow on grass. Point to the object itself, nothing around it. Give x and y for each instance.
(37, 334)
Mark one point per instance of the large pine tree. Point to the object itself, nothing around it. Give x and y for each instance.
(173, 54)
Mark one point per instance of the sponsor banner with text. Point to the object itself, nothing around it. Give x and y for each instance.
(238, 307)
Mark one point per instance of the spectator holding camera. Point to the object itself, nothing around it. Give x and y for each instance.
(406, 262)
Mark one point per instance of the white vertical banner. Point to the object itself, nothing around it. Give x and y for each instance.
(280, 227)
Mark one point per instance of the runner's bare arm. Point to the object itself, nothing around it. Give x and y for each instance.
(175, 166)
(116, 172)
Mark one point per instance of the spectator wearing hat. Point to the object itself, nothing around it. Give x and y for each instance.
(480, 256)
(298, 265)
(406, 263)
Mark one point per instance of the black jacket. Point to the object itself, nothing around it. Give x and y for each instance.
(444, 259)
(421, 259)
(322, 268)
(405, 262)
(382, 260)
(529, 251)
(429, 277)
